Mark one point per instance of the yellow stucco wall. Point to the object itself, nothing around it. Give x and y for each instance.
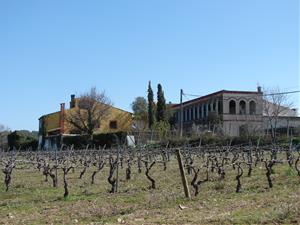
(52, 121)
(124, 121)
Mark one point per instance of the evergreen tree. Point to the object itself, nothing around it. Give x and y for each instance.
(161, 104)
(150, 106)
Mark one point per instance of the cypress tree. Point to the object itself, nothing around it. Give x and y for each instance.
(161, 104)
(150, 106)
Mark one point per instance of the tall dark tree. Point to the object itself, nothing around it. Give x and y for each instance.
(150, 106)
(161, 104)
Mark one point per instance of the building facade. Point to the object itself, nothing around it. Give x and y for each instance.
(232, 113)
(53, 126)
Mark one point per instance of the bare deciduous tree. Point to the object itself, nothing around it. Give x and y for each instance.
(91, 108)
(275, 104)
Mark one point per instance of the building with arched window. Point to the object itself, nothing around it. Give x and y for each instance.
(232, 113)
(226, 112)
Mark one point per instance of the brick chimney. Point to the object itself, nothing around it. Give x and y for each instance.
(72, 102)
(62, 118)
(259, 89)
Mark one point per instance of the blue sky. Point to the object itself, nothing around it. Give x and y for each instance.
(52, 49)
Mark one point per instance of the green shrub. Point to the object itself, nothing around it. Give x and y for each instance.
(210, 139)
(78, 142)
(109, 139)
(97, 140)
(22, 140)
(218, 186)
(296, 141)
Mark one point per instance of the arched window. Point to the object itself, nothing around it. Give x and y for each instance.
(214, 106)
(232, 108)
(242, 107)
(252, 107)
(196, 112)
(200, 111)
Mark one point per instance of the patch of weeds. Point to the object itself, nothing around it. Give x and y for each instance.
(3, 204)
(57, 199)
(219, 186)
(289, 172)
(242, 217)
(14, 205)
(126, 211)
(160, 221)
(132, 200)
(257, 188)
(74, 198)
(273, 171)
(285, 212)
(131, 190)
(108, 220)
(68, 198)
(18, 186)
(114, 215)
(87, 193)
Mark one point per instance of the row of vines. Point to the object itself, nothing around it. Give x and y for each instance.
(201, 164)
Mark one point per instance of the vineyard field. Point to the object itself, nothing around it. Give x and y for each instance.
(32, 200)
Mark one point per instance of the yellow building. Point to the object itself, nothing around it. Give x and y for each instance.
(55, 125)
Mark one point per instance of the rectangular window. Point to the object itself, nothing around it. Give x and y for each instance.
(113, 124)
(220, 107)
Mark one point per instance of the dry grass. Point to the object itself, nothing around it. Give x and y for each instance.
(32, 201)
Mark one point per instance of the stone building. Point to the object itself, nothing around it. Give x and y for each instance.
(232, 113)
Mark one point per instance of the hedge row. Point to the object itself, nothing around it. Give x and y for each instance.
(221, 141)
(97, 140)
